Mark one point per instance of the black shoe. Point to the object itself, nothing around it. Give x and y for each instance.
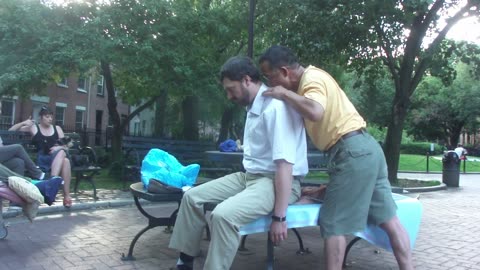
(181, 267)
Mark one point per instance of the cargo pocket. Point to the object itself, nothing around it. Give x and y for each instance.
(344, 159)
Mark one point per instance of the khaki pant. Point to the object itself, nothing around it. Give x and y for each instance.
(242, 198)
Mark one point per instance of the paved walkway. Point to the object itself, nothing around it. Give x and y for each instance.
(95, 239)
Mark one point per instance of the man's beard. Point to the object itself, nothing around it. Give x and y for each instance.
(245, 99)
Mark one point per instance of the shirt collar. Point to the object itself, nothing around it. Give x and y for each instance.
(257, 105)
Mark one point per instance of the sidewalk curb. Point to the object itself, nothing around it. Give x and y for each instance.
(442, 186)
(46, 210)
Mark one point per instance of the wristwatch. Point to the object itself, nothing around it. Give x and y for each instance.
(279, 219)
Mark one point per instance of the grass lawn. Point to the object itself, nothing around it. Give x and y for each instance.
(410, 163)
(418, 163)
(103, 181)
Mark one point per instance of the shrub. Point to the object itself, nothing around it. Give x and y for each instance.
(379, 133)
(420, 148)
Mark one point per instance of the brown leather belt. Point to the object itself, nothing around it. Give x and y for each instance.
(353, 133)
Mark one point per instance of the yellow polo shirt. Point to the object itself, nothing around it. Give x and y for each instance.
(340, 116)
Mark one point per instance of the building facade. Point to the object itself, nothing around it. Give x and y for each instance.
(79, 105)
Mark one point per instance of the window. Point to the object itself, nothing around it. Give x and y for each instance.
(82, 84)
(7, 110)
(59, 116)
(100, 86)
(136, 129)
(63, 82)
(79, 115)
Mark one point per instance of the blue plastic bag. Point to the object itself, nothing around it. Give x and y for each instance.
(164, 167)
(228, 146)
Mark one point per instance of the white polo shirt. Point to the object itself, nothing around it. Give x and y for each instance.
(273, 131)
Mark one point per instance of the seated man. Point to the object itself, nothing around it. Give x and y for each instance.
(274, 150)
(16, 159)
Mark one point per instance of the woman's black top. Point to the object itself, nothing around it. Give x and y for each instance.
(44, 143)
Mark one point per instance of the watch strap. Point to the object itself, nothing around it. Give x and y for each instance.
(279, 219)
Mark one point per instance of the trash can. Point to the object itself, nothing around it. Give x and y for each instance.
(451, 169)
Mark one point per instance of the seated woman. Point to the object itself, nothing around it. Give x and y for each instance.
(51, 156)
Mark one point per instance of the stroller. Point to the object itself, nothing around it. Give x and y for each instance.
(7, 194)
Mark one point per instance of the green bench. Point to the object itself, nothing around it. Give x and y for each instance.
(83, 159)
(187, 152)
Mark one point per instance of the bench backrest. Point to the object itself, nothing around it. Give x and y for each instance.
(185, 151)
(14, 137)
(188, 152)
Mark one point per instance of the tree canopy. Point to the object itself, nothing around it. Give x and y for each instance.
(403, 36)
(168, 53)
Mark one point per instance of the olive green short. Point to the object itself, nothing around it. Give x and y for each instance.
(358, 191)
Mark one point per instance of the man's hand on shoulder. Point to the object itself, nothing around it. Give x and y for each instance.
(278, 92)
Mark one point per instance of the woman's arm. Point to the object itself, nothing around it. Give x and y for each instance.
(60, 132)
(27, 126)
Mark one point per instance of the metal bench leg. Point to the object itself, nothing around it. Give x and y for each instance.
(152, 223)
(129, 256)
(3, 227)
(78, 178)
(242, 244)
(349, 246)
(87, 176)
(207, 230)
(301, 250)
(270, 253)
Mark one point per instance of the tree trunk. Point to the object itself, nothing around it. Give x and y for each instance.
(190, 118)
(393, 139)
(160, 109)
(454, 135)
(117, 132)
(225, 124)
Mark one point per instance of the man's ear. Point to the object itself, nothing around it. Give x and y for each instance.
(284, 71)
(247, 80)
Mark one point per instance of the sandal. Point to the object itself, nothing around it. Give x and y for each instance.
(67, 203)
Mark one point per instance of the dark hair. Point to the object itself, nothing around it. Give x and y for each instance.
(236, 68)
(45, 111)
(278, 56)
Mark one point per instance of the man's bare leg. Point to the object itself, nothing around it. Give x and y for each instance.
(400, 242)
(334, 252)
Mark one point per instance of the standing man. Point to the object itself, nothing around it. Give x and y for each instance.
(359, 190)
(274, 150)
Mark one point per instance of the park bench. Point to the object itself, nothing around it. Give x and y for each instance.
(20, 137)
(83, 158)
(187, 152)
(135, 148)
(409, 212)
(299, 216)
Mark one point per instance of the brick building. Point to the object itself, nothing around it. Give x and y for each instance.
(79, 104)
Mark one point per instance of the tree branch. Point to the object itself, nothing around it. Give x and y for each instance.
(418, 31)
(141, 108)
(386, 46)
(425, 61)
